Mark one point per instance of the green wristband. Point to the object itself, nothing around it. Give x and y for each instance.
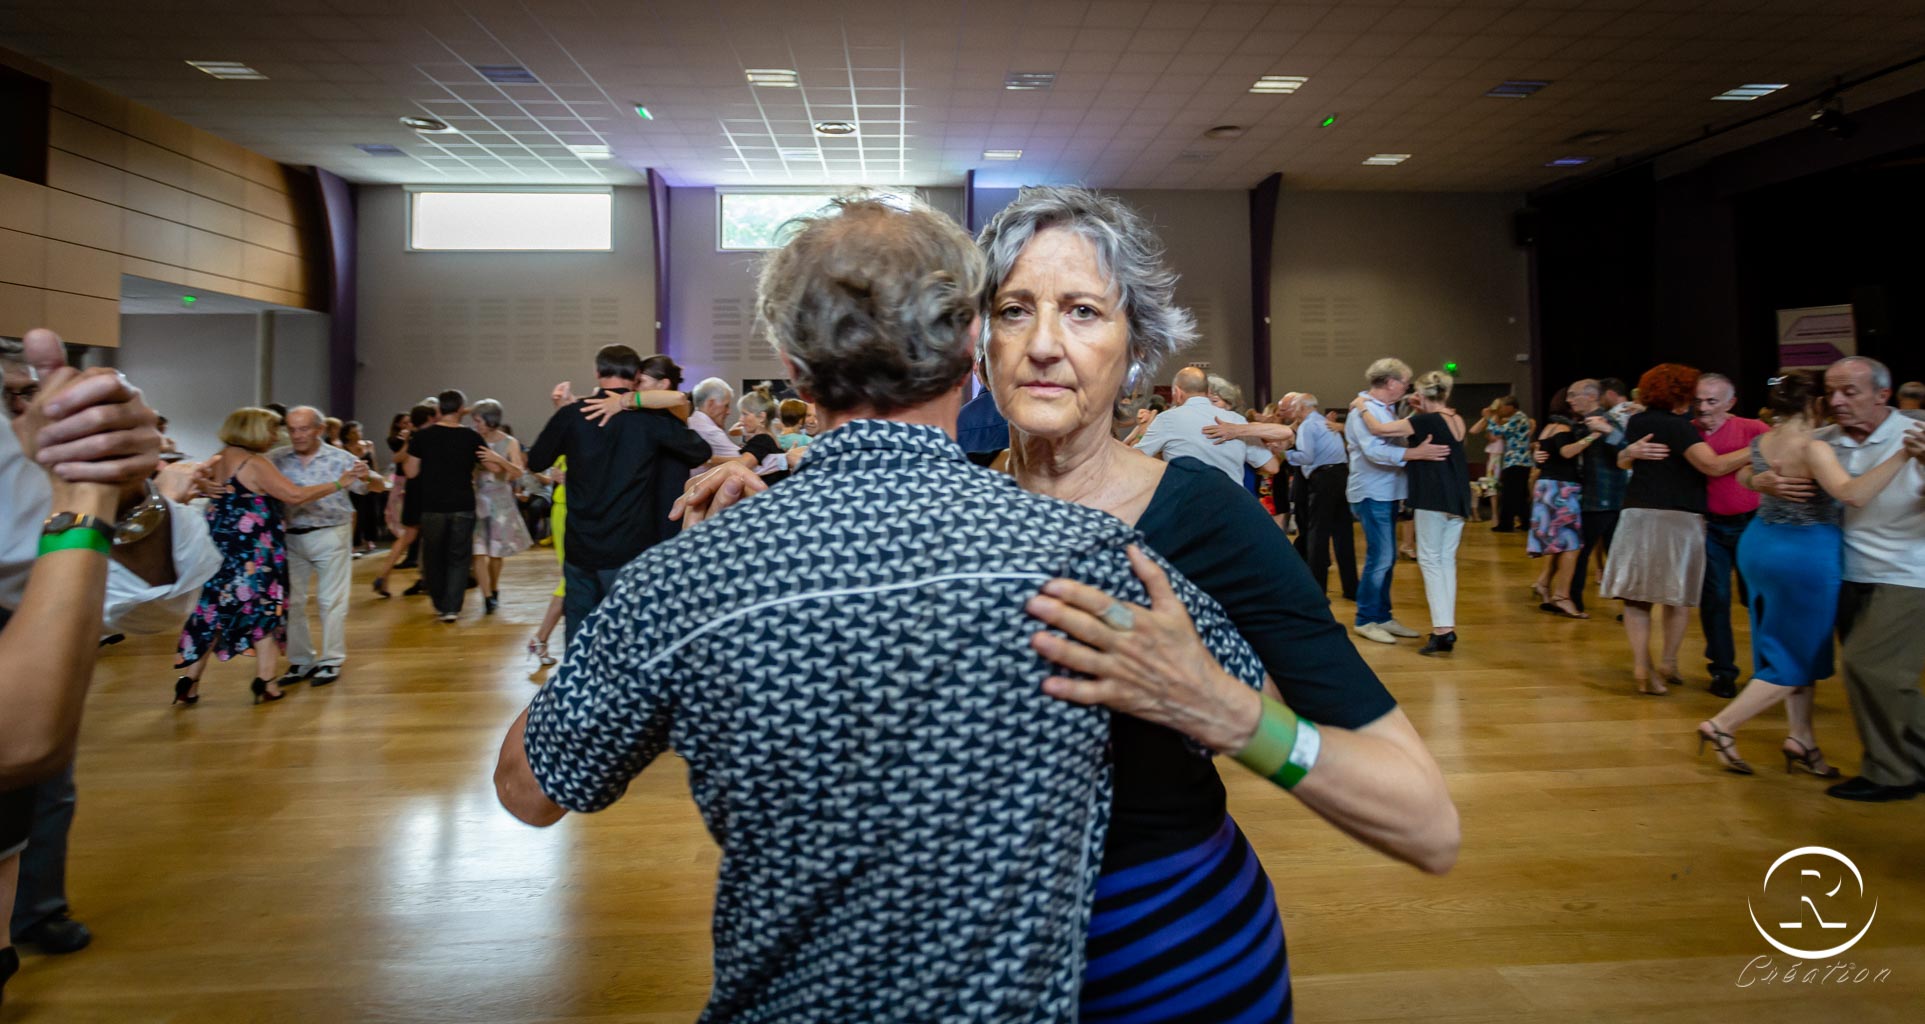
(78, 538)
(1303, 755)
(1269, 749)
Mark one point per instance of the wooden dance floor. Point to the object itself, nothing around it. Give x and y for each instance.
(340, 856)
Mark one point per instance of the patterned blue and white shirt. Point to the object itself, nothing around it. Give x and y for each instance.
(325, 466)
(910, 829)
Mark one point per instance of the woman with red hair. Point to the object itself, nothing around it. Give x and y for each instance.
(1658, 557)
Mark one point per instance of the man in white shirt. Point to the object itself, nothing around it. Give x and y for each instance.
(712, 399)
(1375, 487)
(320, 549)
(152, 583)
(1179, 432)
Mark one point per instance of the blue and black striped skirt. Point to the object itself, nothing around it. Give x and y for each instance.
(1194, 936)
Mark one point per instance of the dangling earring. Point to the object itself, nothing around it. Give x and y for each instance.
(1134, 380)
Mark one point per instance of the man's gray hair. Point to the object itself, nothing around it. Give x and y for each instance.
(711, 389)
(1307, 402)
(1587, 386)
(1387, 369)
(872, 305)
(1127, 252)
(1912, 389)
(320, 418)
(1881, 374)
(1718, 378)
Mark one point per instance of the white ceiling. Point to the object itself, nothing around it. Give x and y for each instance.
(1138, 83)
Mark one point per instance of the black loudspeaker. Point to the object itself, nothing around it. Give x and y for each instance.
(1524, 228)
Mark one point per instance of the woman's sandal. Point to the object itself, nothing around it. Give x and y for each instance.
(1565, 608)
(1809, 758)
(1651, 688)
(1722, 745)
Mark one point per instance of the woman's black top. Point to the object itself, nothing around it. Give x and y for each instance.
(1671, 482)
(1555, 466)
(1438, 486)
(762, 446)
(1168, 799)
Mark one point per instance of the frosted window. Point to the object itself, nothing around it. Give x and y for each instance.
(519, 221)
(761, 220)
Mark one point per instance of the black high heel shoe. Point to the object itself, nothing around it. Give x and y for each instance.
(1722, 745)
(261, 696)
(490, 603)
(381, 586)
(1810, 759)
(181, 686)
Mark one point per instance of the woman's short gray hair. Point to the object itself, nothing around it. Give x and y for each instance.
(1127, 252)
(488, 411)
(1231, 395)
(873, 304)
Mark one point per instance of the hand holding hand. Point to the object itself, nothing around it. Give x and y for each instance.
(707, 495)
(86, 426)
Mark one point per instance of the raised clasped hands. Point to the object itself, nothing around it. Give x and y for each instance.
(707, 494)
(86, 426)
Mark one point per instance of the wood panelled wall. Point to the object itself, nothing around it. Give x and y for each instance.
(130, 191)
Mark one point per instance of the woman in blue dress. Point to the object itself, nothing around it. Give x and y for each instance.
(1792, 558)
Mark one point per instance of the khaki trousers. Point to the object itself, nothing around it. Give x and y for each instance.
(1883, 651)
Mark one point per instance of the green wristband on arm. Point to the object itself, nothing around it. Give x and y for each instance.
(1285, 746)
(78, 538)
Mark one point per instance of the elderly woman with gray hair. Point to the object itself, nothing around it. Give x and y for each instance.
(1079, 309)
(499, 529)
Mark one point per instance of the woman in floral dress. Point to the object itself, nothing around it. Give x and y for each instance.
(1556, 516)
(244, 607)
(499, 529)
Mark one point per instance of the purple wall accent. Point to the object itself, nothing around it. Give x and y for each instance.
(337, 217)
(969, 201)
(658, 217)
(1263, 230)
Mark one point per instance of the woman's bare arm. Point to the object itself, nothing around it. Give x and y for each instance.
(1854, 491)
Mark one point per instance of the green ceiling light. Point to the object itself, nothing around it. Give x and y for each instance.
(1327, 122)
(642, 112)
(1450, 368)
(188, 300)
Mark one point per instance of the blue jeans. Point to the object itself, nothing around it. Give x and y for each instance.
(1380, 558)
(1721, 535)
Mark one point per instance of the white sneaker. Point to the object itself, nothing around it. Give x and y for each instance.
(1375, 631)
(1395, 628)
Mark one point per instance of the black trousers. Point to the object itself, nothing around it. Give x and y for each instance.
(1324, 525)
(42, 892)
(1514, 497)
(582, 590)
(370, 518)
(1597, 527)
(447, 551)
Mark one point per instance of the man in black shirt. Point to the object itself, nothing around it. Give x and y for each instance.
(622, 478)
(440, 466)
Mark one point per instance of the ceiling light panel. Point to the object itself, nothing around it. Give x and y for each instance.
(507, 74)
(1386, 159)
(1516, 88)
(1028, 81)
(227, 70)
(773, 78)
(1002, 154)
(1278, 85)
(1749, 92)
(1569, 161)
(379, 149)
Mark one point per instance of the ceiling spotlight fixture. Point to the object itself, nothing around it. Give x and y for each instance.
(1226, 131)
(1747, 93)
(1002, 154)
(1516, 88)
(1328, 121)
(1028, 81)
(834, 129)
(379, 149)
(427, 125)
(507, 74)
(595, 151)
(642, 112)
(228, 70)
(1569, 161)
(1278, 85)
(1386, 159)
(773, 78)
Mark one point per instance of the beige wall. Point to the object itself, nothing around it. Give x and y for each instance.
(1427, 277)
(130, 191)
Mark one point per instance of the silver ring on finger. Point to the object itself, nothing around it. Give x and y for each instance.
(1118, 617)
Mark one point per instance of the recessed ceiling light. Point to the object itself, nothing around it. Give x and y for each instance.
(1747, 93)
(228, 70)
(1278, 85)
(773, 78)
(1386, 159)
(596, 151)
(507, 74)
(834, 128)
(379, 149)
(1002, 154)
(1516, 88)
(1569, 161)
(1028, 81)
(803, 155)
(429, 125)
(1226, 131)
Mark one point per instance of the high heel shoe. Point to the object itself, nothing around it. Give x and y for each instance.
(1810, 759)
(381, 586)
(1564, 607)
(181, 686)
(261, 696)
(1722, 745)
(538, 649)
(1543, 593)
(490, 603)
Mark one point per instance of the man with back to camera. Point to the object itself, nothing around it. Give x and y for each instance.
(621, 481)
(320, 549)
(1729, 508)
(442, 460)
(1323, 513)
(1179, 431)
(1882, 601)
(1602, 495)
(1911, 398)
